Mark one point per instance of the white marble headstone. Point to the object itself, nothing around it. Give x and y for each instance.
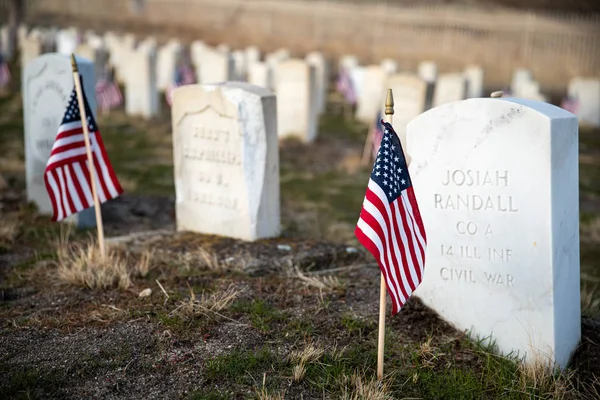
(587, 93)
(141, 92)
(449, 87)
(259, 74)
(215, 66)
(166, 63)
(66, 41)
(47, 84)
(371, 96)
(296, 109)
(428, 71)
(409, 92)
(474, 76)
(497, 183)
(389, 66)
(317, 60)
(226, 159)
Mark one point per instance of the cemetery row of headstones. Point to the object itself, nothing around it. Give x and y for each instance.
(146, 70)
(472, 183)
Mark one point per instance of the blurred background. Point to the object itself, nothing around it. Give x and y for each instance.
(555, 39)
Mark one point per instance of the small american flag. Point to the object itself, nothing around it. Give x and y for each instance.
(345, 87)
(4, 73)
(183, 76)
(570, 104)
(390, 224)
(108, 94)
(67, 176)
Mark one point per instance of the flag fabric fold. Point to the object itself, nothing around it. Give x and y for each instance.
(108, 93)
(390, 225)
(67, 175)
(345, 86)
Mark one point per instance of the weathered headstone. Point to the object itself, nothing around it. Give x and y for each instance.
(409, 92)
(449, 88)
(240, 65)
(370, 97)
(141, 92)
(30, 48)
(47, 84)
(66, 41)
(474, 76)
(348, 62)
(428, 71)
(215, 66)
(317, 60)
(497, 185)
(252, 55)
(97, 55)
(166, 63)
(389, 66)
(226, 159)
(259, 74)
(296, 110)
(587, 93)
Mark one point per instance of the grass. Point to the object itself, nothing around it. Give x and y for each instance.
(261, 314)
(325, 354)
(207, 305)
(241, 366)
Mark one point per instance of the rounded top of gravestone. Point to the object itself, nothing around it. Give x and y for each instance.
(55, 60)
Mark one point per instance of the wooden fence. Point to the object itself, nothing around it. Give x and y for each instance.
(556, 46)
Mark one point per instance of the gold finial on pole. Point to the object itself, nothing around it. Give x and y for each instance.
(389, 103)
(497, 94)
(73, 63)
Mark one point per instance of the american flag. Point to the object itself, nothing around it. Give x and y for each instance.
(183, 76)
(390, 224)
(4, 73)
(67, 176)
(570, 104)
(108, 94)
(345, 87)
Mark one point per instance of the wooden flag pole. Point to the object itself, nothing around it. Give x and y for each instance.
(88, 149)
(389, 115)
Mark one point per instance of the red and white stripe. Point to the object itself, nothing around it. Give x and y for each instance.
(395, 235)
(108, 94)
(67, 174)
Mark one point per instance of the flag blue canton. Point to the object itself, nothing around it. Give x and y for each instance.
(72, 113)
(390, 172)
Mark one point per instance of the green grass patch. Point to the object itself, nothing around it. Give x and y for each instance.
(242, 366)
(261, 313)
(25, 382)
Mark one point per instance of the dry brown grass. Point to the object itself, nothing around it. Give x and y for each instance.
(207, 305)
(263, 393)
(83, 265)
(301, 358)
(540, 377)
(143, 266)
(428, 353)
(358, 387)
(327, 282)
